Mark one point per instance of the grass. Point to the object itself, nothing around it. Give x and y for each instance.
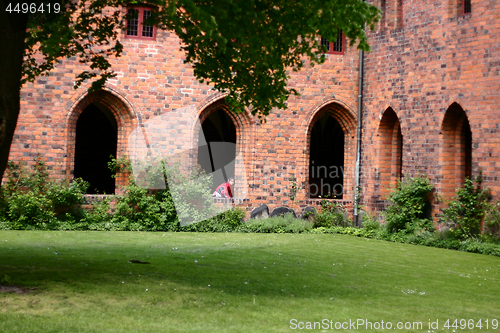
(201, 282)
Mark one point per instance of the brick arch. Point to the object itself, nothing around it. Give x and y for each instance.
(456, 150)
(121, 111)
(390, 151)
(241, 122)
(347, 121)
(244, 137)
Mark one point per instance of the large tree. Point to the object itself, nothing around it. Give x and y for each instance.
(243, 47)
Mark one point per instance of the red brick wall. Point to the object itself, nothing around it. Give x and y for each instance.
(436, 58)
(152, 80)
(428, 60)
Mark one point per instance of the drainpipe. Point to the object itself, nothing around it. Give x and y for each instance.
(357, 188)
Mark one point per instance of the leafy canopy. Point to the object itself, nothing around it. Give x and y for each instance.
(245, 48)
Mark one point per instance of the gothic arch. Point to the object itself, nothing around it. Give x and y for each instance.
(390, 151)
(456, 150)
(242, 138)
(114, 107)
(335, 123)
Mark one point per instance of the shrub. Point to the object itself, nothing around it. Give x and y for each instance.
(30, 200)
(67, 199)
(278, 224)
(408, 201)
(226, 221)
(139, 209)
(332, 214)
(467, 209)
(29, 211)
(370, 222)
(492, 220)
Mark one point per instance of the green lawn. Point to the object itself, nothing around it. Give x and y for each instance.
(202, 282)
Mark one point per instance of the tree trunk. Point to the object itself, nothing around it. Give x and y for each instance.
(12, 36)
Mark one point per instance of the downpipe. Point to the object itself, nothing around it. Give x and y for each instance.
(357, 188)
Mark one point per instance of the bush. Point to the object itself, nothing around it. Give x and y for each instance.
(29, 211)
(332, 214)
(142, 210)
(426, 239)
(226, 221)
(370, 222)
(277, 224)
(492, 220)
(33, 201)
(467, 209)
(408, 202)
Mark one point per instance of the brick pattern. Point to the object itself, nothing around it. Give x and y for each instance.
(153, 81)
(438, 61)
(431, 71)
(389, 154)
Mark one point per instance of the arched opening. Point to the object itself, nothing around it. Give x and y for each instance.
(456, 158)
(390, 151)
(326, 158)
(217, 146)
(96, 141)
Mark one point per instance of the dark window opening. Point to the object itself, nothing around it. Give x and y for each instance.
(338, 44)
(336, 47)
(467, 6)
(326, 44)
(135, 24)
(326, 164)
(147, 30)
(218, 154)
(96, 141)
(399, 152)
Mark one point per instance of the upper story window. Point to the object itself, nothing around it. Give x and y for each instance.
(467, 6)
(335, 47)
(135, 25)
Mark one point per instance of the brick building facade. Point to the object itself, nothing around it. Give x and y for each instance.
(430, 92)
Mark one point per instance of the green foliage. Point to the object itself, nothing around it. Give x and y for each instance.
(370, 222)
(33, 201)
(99, 214)
(332, 214)
(492, 220)
(78, 29)
(29, 211)
(278, 224)
(245, 48)
(117, 165)
(67, 198)
(408, 202)
(28, 200)
(294, 188)
(140, 209)
(5, 280)
(192, 195)
(226, 221)
(467, 209)
(427, 238)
